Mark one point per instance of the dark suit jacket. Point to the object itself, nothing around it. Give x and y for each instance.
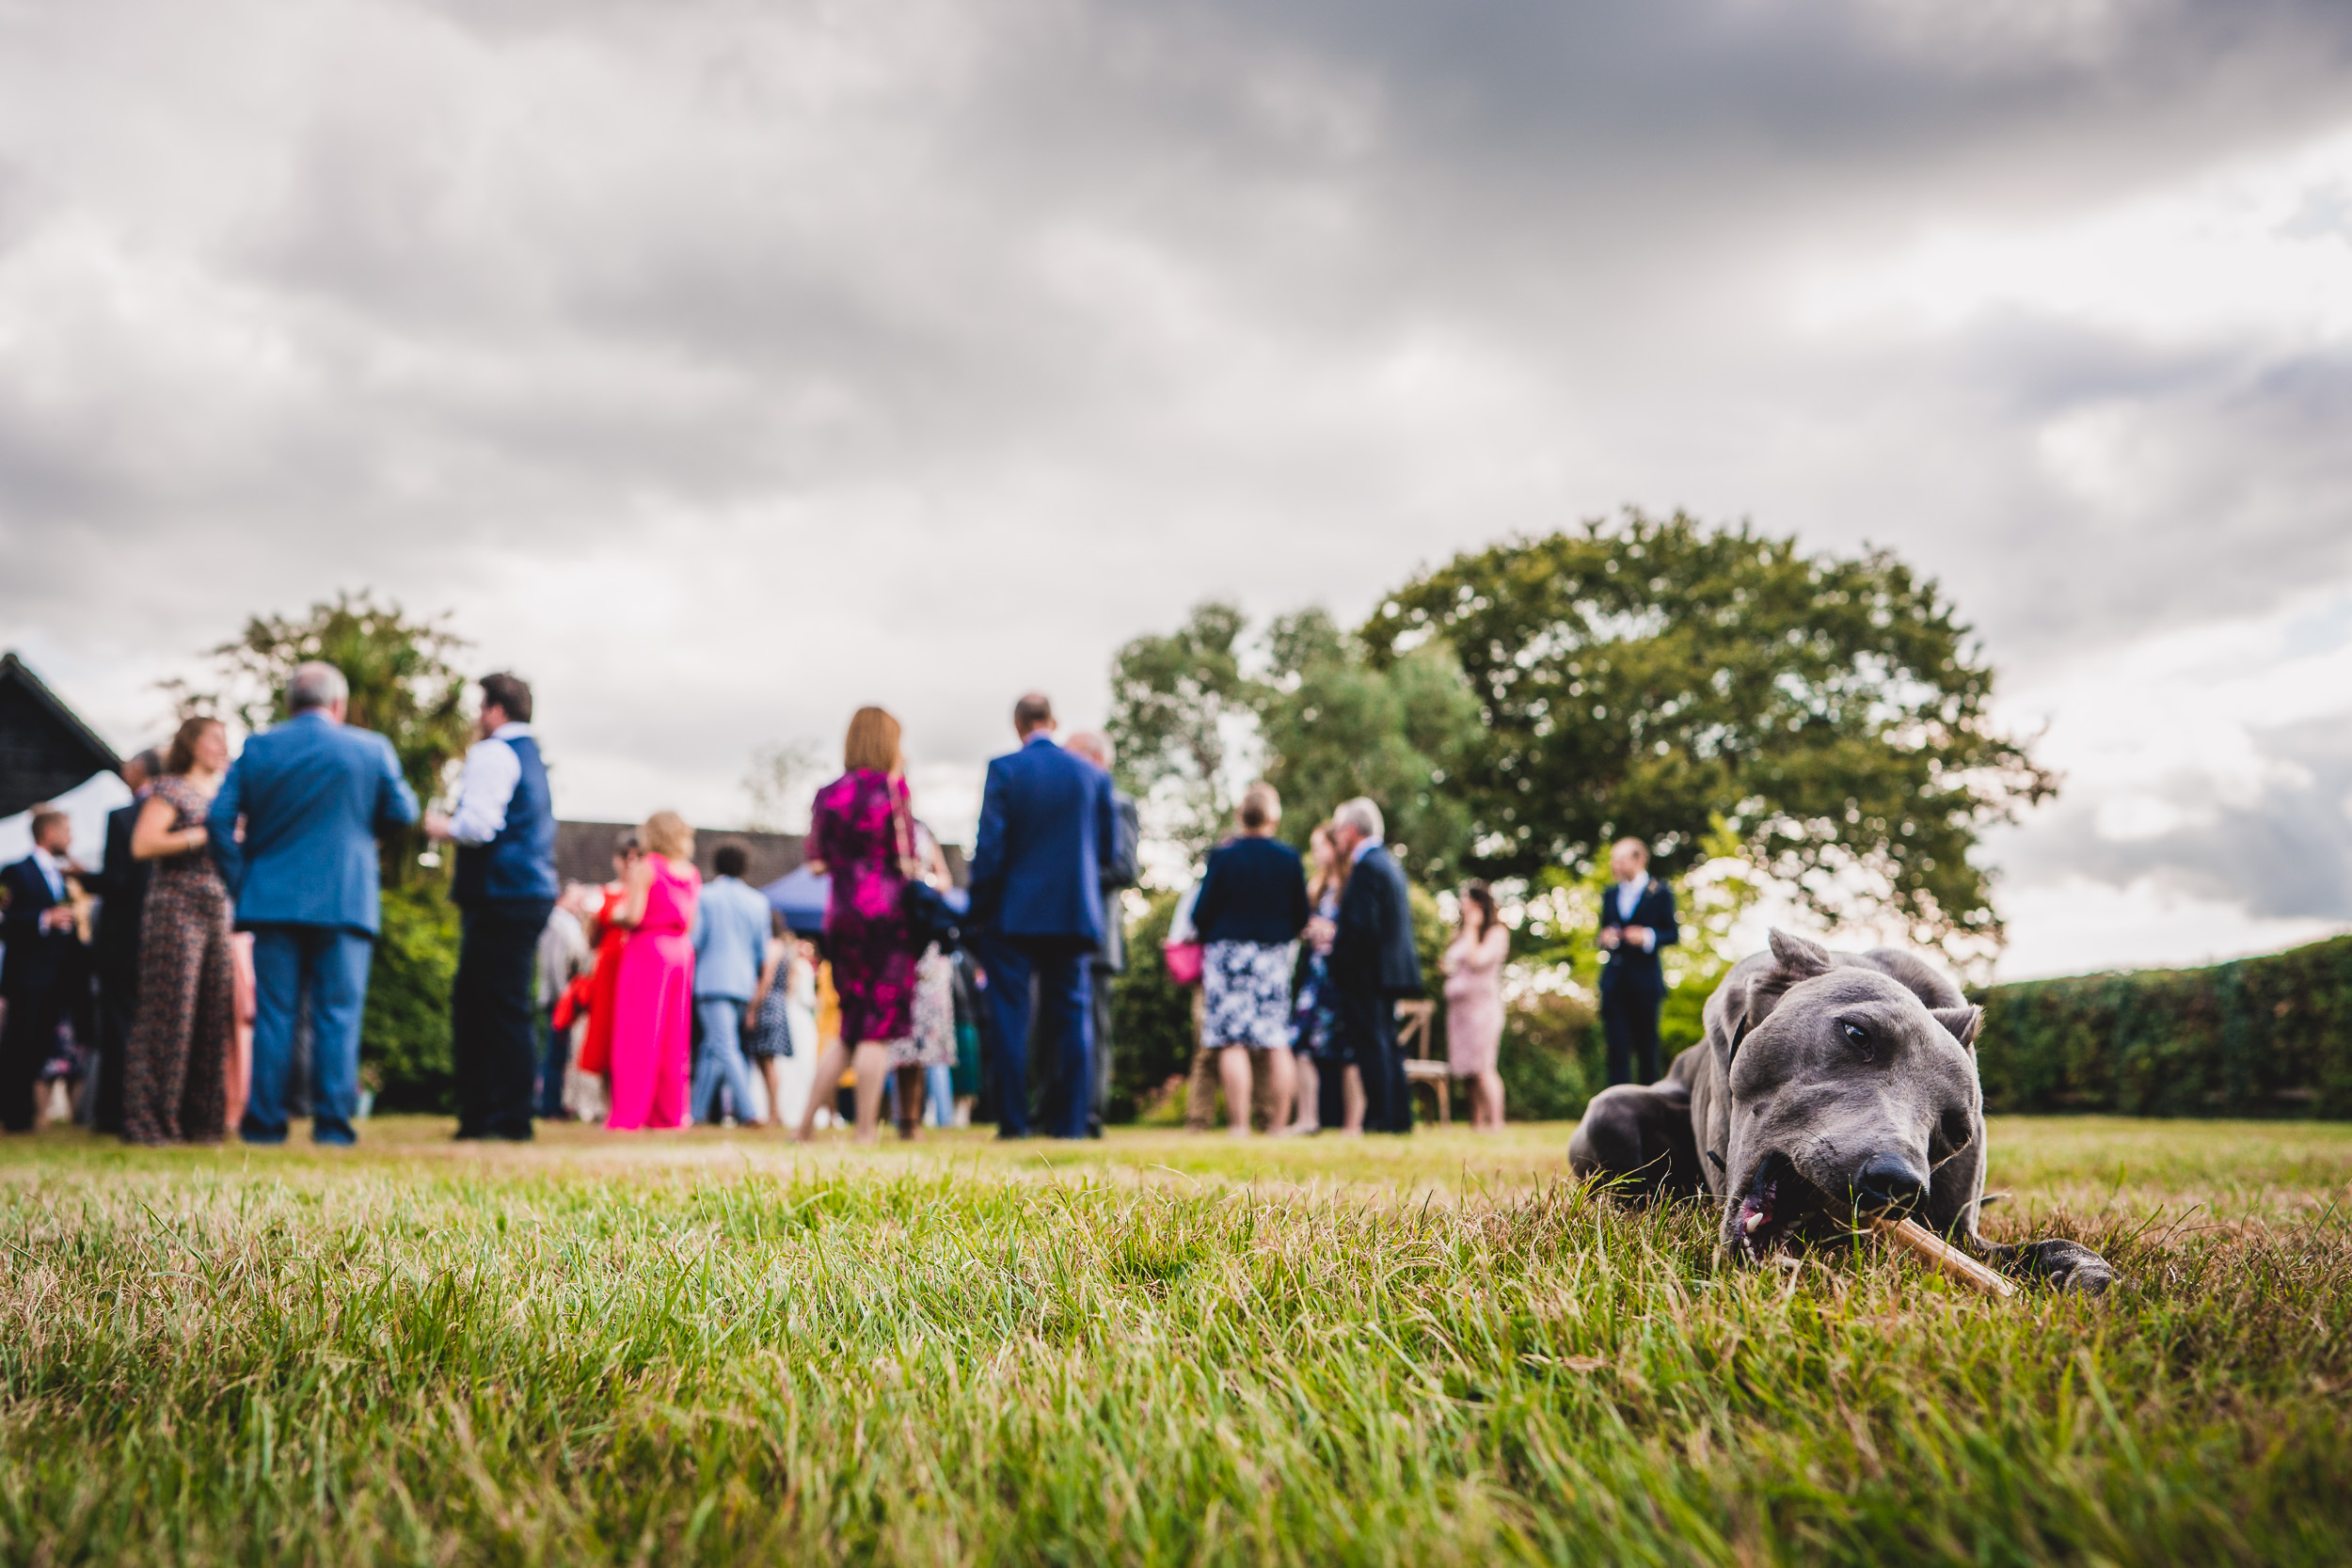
(1118, 871)
(35, 959)
(313, 794)
(121, 888)
(1629, 965)
(1047, 829)
(1373, 949)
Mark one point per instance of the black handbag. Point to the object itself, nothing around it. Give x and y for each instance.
(931, 920)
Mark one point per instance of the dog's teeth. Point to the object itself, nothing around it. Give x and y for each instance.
(1753, 1221)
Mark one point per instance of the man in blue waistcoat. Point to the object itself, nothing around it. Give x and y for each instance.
(311, 795)
(505, 885)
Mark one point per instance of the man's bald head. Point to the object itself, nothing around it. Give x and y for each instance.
(1033, 712)
(1092, 745)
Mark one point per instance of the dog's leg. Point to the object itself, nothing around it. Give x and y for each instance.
(1639, 1141)
(2066, 1266)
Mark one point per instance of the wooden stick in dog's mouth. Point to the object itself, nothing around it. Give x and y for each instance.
(1914, 1237)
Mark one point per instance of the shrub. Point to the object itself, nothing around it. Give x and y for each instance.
(1550, 1060)
(403, 1034)
(1151, 1037)
(2255, 1036)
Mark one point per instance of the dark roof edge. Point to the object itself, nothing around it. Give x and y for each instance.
(11, 664)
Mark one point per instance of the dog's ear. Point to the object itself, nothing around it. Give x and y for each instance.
(1798, 958)
(1962, 1021)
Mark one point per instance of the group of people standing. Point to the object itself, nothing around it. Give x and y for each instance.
(685, 986)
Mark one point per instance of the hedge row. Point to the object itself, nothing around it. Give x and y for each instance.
(2270, 1036)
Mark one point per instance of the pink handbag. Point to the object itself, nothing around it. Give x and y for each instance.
(1183, 962)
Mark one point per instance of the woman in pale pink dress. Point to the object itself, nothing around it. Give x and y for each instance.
(653, 999)
(1474, 1004)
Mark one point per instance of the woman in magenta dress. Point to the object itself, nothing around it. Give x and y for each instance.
(859, 834)
(653, 999)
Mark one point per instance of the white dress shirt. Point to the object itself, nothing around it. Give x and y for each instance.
(487, 784)
(50, 872)
(1629, 899)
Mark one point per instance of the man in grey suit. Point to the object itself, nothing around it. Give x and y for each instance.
(1118, 873)
(312, 795)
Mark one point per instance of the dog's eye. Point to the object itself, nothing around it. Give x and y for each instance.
(1857, 1036)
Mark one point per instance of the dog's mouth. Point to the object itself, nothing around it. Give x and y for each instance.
(1774, 1209)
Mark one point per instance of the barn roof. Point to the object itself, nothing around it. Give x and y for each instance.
(45, 749)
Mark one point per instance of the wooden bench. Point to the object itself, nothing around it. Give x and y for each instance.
(1413, 1027)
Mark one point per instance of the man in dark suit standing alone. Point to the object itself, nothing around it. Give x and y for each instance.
(1373, 963)
(45, 957)
(1119, 873)
(312, 794)
(1047, 829)
(1637, 920)
(121, 896)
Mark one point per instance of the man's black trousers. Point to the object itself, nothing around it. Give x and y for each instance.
(1628, 1017)
(25, 1043)
(1367, 1021)
(492, 1043)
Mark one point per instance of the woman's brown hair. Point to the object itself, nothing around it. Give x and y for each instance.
(1478, 896)
(872, 743)
(182, 757)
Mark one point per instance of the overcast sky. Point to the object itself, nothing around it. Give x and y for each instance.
(723, 366)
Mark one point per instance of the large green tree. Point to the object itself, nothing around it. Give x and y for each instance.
(1646, 675)
(401, 685)
(1320, 718)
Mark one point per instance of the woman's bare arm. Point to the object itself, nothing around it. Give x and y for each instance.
(153, 837)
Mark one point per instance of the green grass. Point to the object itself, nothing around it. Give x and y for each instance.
(1162, 1347)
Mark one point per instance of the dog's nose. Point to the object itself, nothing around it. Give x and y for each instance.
(1889, 1182)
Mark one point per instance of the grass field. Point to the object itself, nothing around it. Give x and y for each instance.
(1157, 1349)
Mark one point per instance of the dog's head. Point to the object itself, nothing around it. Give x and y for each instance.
(1846, 1091)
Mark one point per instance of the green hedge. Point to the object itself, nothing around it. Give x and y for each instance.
(403, 1034)
(2258, 1036)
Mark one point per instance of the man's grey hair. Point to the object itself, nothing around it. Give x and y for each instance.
(316, 685)
(1360, 814)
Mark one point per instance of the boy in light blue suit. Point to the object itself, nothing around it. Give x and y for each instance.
(313, 794)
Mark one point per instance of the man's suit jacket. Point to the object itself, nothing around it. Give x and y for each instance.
(1627, 964)
(1047, 829)
(313, 794)
(1374, 948)
(37, 959)
(1118, 871)
(121, 889)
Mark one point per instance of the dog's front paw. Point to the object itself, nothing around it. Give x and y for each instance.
(2067, 1265)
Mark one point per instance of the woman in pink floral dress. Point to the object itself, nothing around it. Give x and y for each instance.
(859, 835)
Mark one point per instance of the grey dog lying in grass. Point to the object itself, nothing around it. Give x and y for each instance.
(1830, 1085)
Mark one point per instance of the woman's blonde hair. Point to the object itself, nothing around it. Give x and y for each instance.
(666, 834)
(873, 742)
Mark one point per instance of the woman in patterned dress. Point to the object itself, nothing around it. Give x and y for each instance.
(859, 834)
(1251, 910)
(175, 1067)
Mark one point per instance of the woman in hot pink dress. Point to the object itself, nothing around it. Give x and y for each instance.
(653, 1000)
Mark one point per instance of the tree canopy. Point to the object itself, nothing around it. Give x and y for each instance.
(1643, 676)
(1304, 707)
(401, 685)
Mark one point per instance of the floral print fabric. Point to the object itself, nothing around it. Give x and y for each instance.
(854, 828)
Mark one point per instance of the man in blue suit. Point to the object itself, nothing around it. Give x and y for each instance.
(312, 794)
(1637, 918)
(1047, 829)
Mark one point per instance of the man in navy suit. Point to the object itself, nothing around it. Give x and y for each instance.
(1373, 964)
(44, 957)
(1047, 829)
(313, 794)
(1637, 920)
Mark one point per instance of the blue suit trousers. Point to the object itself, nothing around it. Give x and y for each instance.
(718, 1062)
(329, 965)
(1064, 972)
